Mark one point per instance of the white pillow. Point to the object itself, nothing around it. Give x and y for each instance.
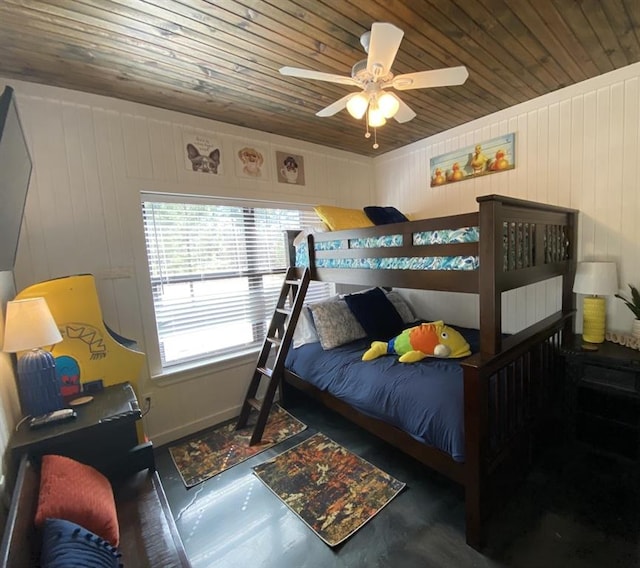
(305, 331)
(314, 229)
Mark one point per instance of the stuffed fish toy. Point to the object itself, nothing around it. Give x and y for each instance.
(433, 339)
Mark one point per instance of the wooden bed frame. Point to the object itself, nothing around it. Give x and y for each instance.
(510, 387)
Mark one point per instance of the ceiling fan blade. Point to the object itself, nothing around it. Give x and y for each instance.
(434, 78)
(384, 43)
(333, 108)
(317, 75)
(404, 114)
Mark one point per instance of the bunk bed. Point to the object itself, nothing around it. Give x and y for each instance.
(511, 384)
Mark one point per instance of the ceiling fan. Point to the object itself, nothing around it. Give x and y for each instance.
(373, 75)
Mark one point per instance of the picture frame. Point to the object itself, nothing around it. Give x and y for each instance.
(290, 168)
(202, 154)
(484, 158)
(251, 161)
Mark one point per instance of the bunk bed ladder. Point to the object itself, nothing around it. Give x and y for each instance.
(279, 335)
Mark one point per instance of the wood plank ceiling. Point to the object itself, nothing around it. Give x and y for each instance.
(220, 59)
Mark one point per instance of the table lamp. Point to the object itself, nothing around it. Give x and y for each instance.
(594, 280)
(29, 327)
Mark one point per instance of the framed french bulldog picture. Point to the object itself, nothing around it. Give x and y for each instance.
(290, 168)
(251, 161)
(202, 154)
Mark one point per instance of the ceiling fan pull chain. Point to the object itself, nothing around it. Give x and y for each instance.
(367, 134)
(375, 139)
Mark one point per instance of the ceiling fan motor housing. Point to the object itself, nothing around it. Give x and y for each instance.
(360, 73)
(359, 70)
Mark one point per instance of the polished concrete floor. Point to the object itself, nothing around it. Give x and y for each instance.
(573, 510)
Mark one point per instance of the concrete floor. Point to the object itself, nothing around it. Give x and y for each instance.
(573, 510)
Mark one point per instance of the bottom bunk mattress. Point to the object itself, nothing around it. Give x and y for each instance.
(425, 399)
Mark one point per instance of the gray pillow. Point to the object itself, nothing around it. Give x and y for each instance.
(335, 324)
(401, 306)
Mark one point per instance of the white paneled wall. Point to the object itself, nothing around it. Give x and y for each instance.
(577, 147)
(92, 158)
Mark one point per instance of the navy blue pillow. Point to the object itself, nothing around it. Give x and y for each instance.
(384, 215)
(376, 314)
(66, 544)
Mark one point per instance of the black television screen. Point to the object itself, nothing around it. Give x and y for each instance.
(15, 172)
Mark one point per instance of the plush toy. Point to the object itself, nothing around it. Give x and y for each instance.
(433, 339)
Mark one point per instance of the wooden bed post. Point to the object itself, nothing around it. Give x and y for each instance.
(568, 297)
(476, 399)
(490, 252)
(289, 237)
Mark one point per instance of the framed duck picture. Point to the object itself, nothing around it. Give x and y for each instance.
(488, 157)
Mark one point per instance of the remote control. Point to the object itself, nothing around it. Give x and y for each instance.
(52, 417)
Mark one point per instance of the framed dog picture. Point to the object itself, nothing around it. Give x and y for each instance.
(290, 168)
(202, 154)
(251, 161)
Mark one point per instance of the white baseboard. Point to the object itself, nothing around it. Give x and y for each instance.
(168, 436)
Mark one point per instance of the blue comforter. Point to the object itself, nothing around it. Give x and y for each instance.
(424, 399)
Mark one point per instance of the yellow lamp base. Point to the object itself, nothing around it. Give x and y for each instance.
(594, 316)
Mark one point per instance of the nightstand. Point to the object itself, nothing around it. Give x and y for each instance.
(103, 435)
(603, 398)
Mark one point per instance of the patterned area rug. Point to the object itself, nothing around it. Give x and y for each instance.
(334, 491)
(215, 450)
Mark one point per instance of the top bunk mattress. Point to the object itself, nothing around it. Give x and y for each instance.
(425, 399)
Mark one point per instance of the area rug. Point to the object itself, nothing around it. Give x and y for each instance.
(214, 451)
(332, 490)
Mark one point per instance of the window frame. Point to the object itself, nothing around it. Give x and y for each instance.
(200, 366)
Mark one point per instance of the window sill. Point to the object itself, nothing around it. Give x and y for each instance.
(201, 369)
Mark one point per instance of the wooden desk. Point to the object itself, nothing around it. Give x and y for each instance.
(103, 435)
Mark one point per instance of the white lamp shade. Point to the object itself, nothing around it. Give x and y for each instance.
(388, 104)
(357, 105)
(596, 279)
(375, 117)
(29, 325)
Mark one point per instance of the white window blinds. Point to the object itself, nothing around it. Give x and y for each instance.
(216, 272)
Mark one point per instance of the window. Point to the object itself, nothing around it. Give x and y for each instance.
(216, 271)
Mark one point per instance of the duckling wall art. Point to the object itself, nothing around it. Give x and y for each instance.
(489, 157)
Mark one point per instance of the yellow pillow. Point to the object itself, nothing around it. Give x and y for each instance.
(338, 218)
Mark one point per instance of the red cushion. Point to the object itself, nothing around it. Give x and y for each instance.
(78, 493)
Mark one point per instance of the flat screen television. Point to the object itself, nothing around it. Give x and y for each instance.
(15, 173)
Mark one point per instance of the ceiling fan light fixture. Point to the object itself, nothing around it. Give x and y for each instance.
(388, 105)
(375, 117)
(373, 76)
(357, 105)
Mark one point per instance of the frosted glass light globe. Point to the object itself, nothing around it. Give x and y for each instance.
(388, 105)
(376, 118)
(357, 105)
